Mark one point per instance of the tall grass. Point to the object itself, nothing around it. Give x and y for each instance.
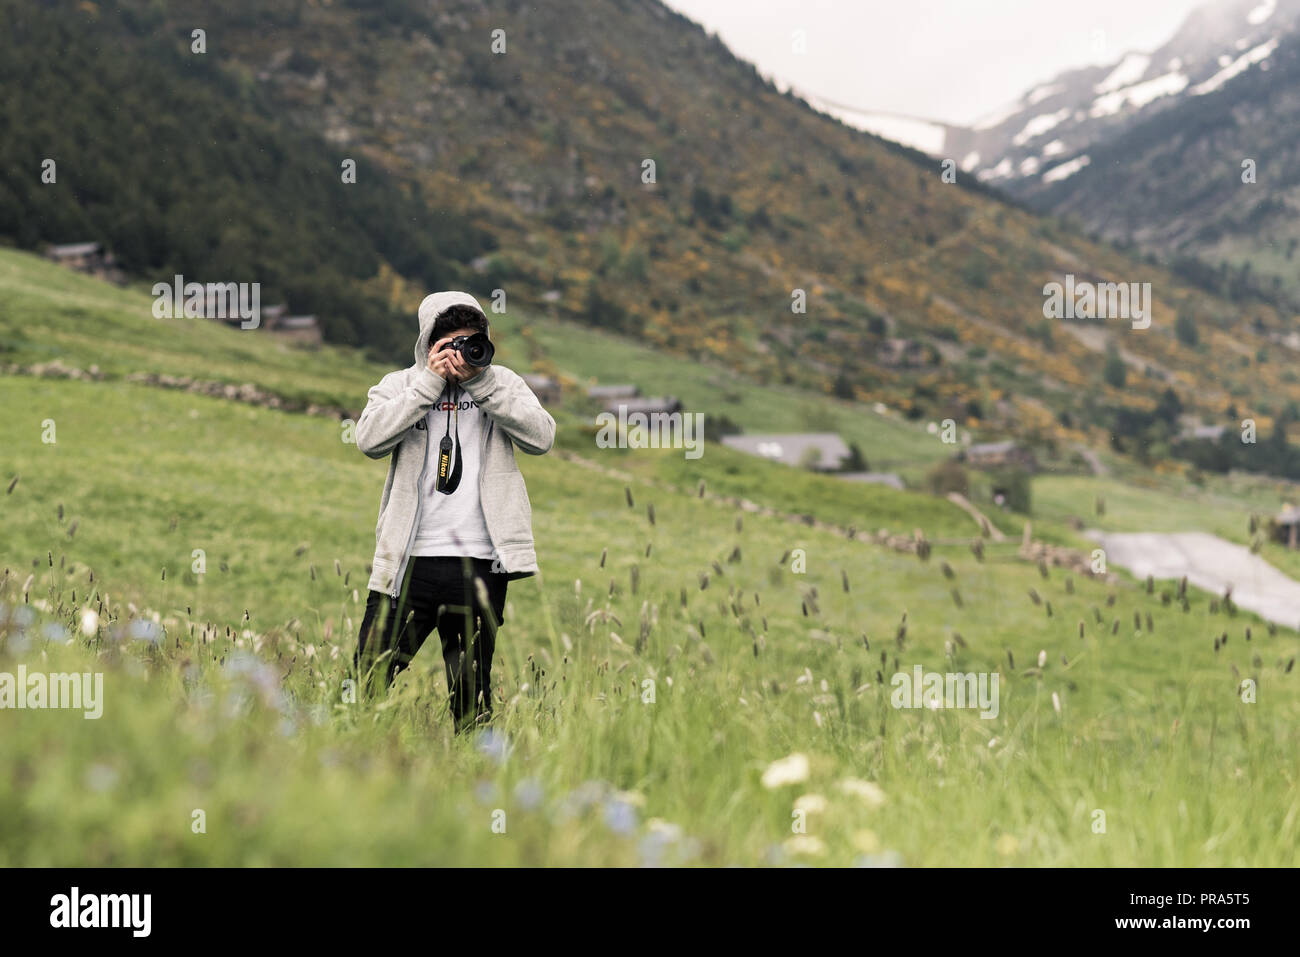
(235, 704)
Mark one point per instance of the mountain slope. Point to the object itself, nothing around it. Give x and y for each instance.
(1049, 133)
(179, 165)
(1189, 153)
(922, 295)
(1220, 182)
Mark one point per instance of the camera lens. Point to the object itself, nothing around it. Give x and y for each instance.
(477, 350)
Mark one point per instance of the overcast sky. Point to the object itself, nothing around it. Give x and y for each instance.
(950, 60)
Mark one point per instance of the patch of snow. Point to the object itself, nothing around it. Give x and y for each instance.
(919, 134)
(1107, 105)
(970, 162)
(1175, 64)
(1054, 148)
(1040, 125)
(1128, 72)
(1065, 170)
(1003, 169)
(1261, 12)
(926, 137)
(1239, 65)
(1140, 94)
(1029, 166)
(1040, 93)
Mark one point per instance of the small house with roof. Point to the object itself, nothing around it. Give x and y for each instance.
(997, 455)
(91, 258)
(820, 451)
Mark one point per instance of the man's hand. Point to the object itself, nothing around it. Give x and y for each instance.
(450, 364)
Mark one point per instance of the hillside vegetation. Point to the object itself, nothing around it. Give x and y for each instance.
(179, 165)
(523, 171)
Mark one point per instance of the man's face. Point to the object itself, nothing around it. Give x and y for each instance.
(457, 334)
(436, 347)
(448, 362)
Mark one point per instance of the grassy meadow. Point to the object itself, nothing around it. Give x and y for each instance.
(673, 688)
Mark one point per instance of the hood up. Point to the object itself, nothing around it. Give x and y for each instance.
(430, 309)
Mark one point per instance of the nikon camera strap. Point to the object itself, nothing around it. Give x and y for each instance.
(448, 478)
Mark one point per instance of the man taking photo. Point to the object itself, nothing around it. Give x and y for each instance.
(454, 520)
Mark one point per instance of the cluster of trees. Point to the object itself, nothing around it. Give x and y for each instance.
(179, 167)
(1234, 283)
(715, 210)
(1145, 434)
(1150, 436)
(1271, 455)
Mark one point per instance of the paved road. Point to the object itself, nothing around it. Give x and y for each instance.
(1211, 564)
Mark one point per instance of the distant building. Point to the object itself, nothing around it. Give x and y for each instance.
(604, 392)
(545, 388)
(224, 304)
(304, 329)
(823, 451)
(1285, 528)
(90, 258)
(875, 478)
(644, 403)
(273, 314)
(993, 455)
(1207, 433)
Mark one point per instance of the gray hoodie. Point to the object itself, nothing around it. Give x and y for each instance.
(388, 425)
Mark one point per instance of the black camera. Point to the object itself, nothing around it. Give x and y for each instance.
(477, 349)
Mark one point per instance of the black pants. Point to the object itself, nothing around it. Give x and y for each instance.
(437, 593)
